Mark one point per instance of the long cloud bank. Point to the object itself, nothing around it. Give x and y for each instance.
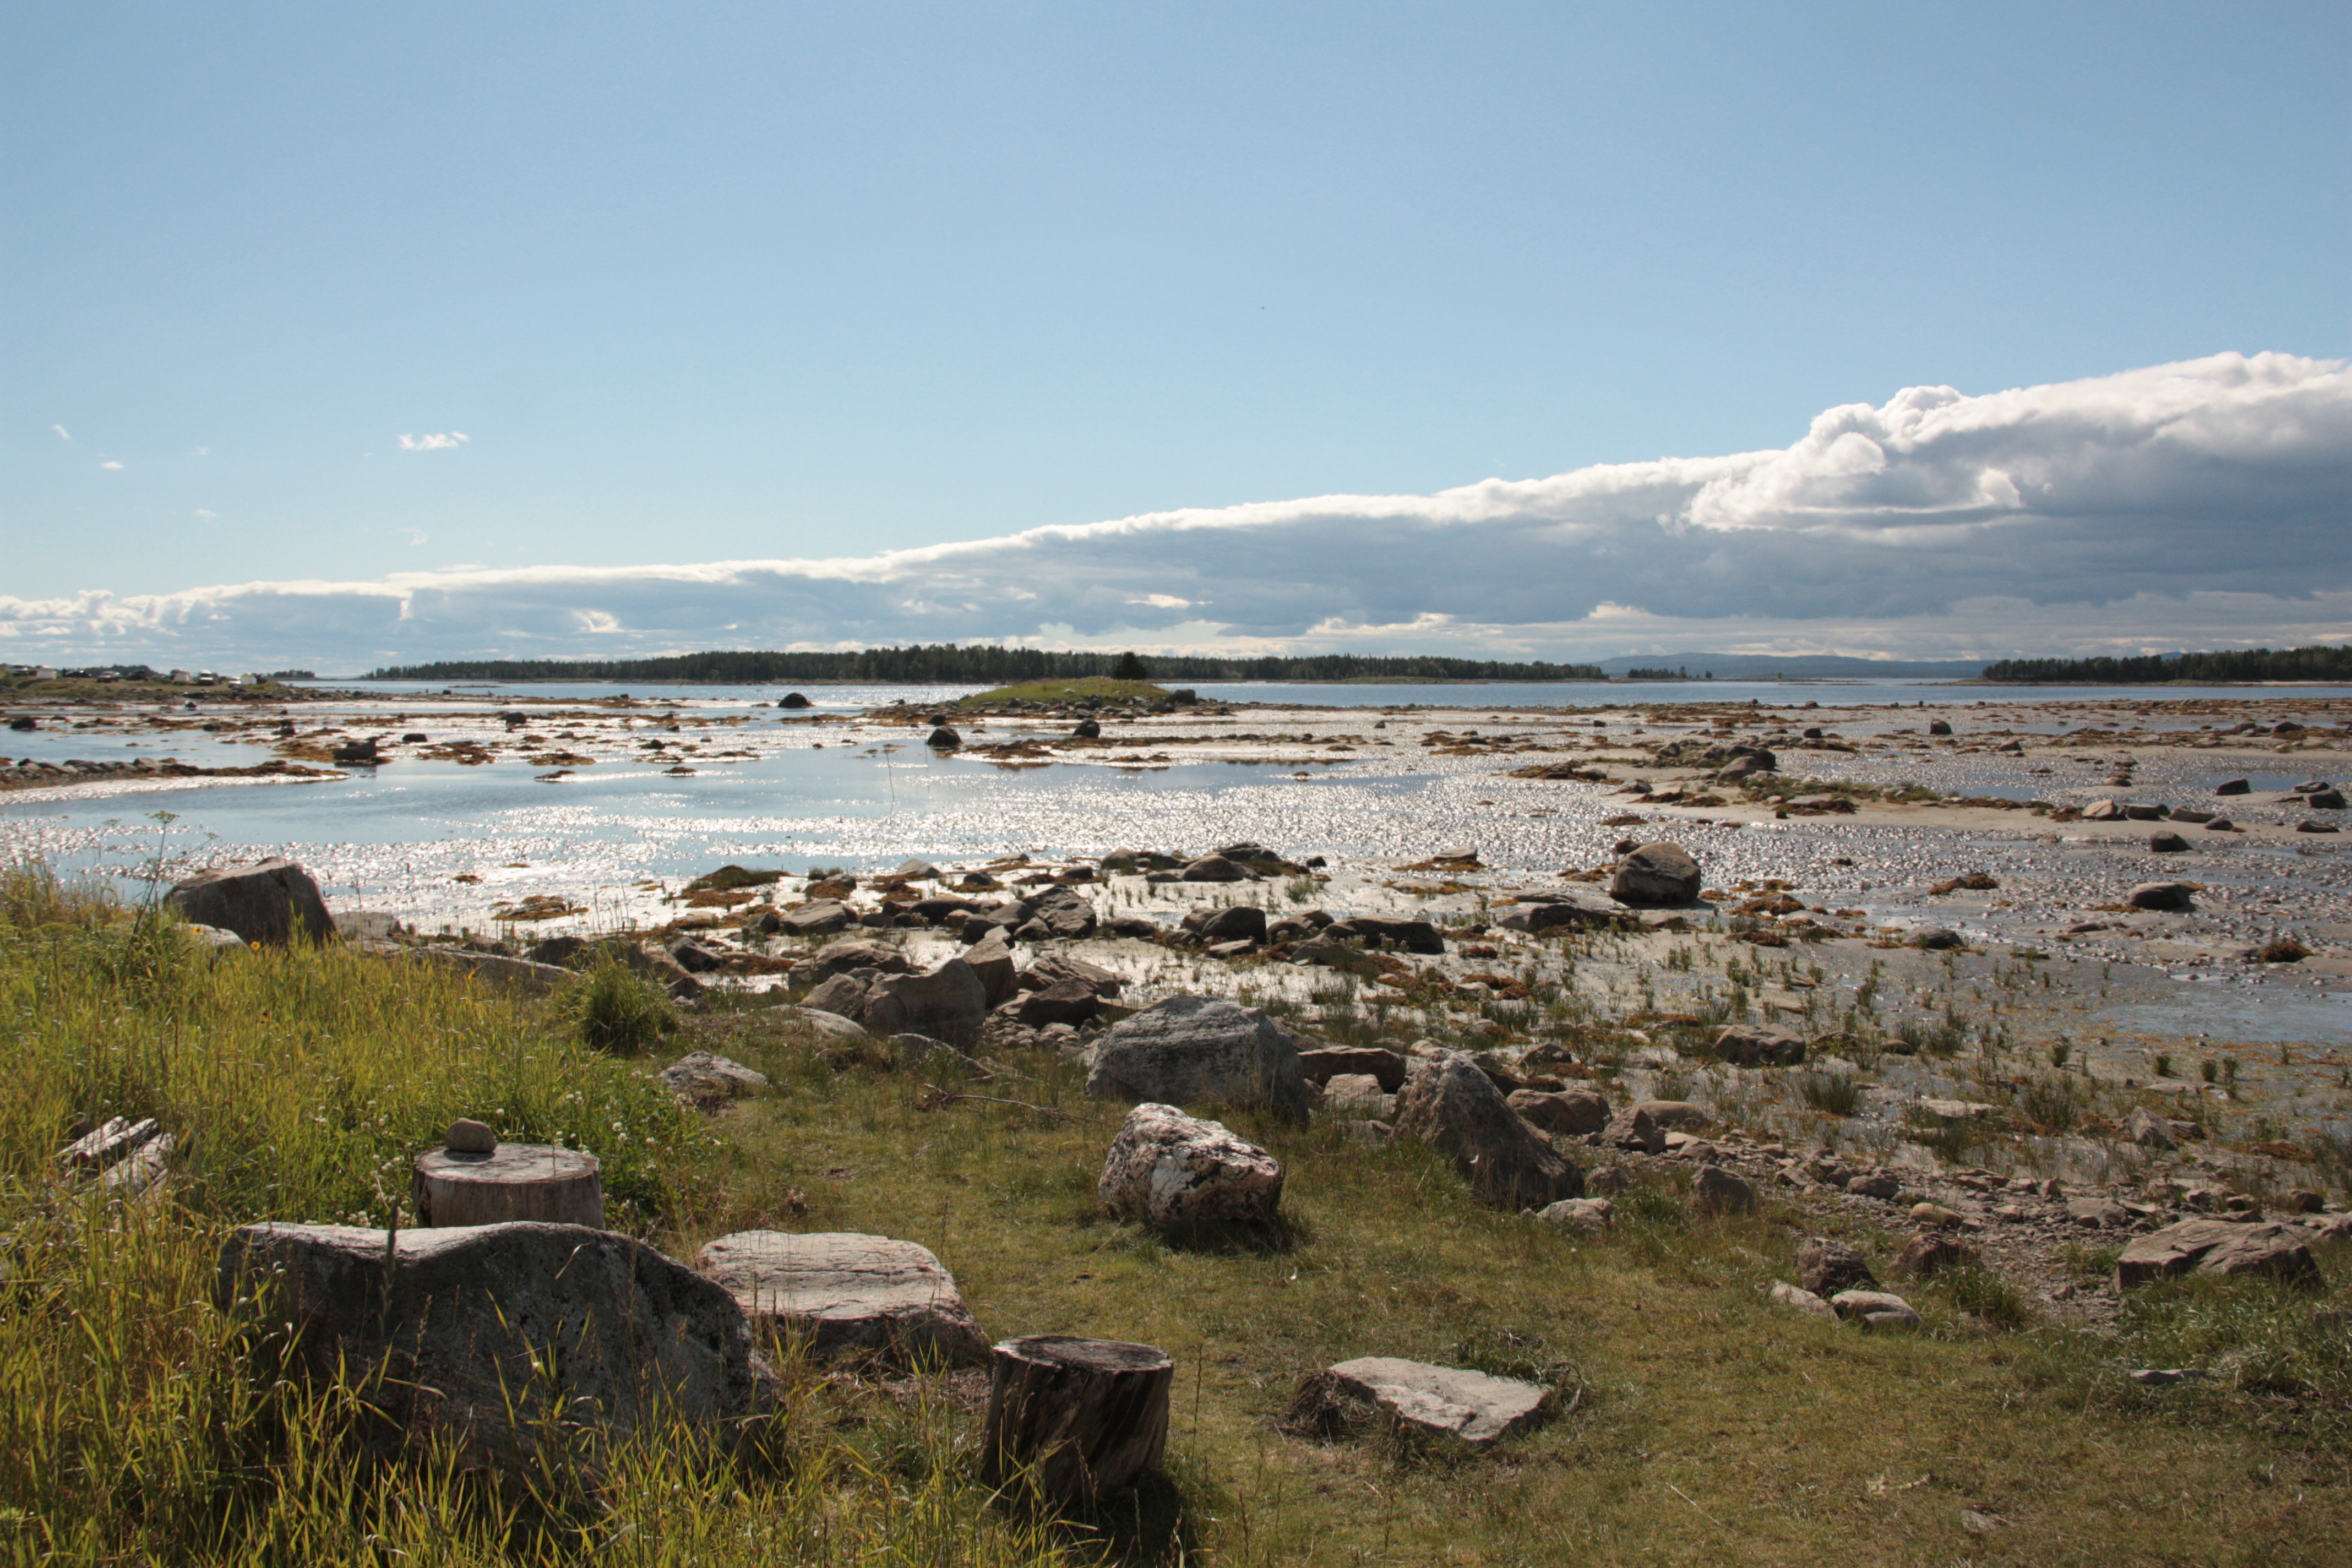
(2200, 503)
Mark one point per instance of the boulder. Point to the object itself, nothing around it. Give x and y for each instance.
(1803, 1300)
(2107, 809)
(1716, 1191)
(854, 953)
(1680, 1114)
(848, 1293)
(2099, 1213)
(1928, 1255)
(2170, 896)
(844, 995)
(1063, 1002)
(1575, 1113)
(1825, 1268)
(701, 1076)
(1936, 939)
(1469, 1407)
(1386, 1065)
(268, 902)
(2149, 1130)
(2234, 786)
(1239, 922)
(1060, 913)
(1875, 1309)
(1563, 911)
(1448, 1103)
(1052, 968)
(1325, 953)
(1189, 1049)
(1587, 1216)
(990, 959)
(1166, 1168)
(692, 956)
(1759, 1045)
(447, 1331)
(947, 1004)
(791, 699)
(1655, 874)
(1358, 1096)
(1213, 869)
(2222, 1247)
(2324, 799)
(943, 739)
(1633, 1128)
(2167, 844)
(817, 918)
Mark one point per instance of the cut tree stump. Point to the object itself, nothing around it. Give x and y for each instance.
(514, 1180)
(1074, 1420)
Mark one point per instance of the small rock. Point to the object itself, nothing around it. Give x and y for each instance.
(2167, 844)
(2167, 896)
(1935, 938)
(1589, 1215)
(1446, 1400)
(701, 1076)
(2148, 1130)
(1928, 1255)
(467, 1136)
(1575, 1113)
(848, 1293)
(1936, 1214)
(1759, 1045)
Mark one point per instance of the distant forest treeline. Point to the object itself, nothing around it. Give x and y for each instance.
(979, 665)
(2245, 664)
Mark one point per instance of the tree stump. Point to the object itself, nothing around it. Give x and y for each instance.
(1074, 1420)
(514, 1180)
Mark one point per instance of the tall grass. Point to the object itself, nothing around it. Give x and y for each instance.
(297, 1085)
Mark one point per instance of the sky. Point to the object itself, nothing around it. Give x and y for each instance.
(343, 335)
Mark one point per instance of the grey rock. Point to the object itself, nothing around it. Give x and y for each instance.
(2149, 1130)
(1574, 1113)
(1656, 874)
(833, 1026)
(1924, 1257)
(1167, 1168)
(2234, 786)
(1452, 1402)
(1448, 1103)
(1213, 869)
(1191, 1049)
(702, 1076)
(1413, 936)
(1563, 911)
(2100, 1213)
(2167, 844)
(267, 903)
(446, 1331)
(2222, 1247)
(2170, 896)
(1386, 1065)
(1064, 1002)
(1936, 939)
(1881, 1184)
(848, 1293)
(1239, 922)
(992, 960)
(854, 953)
(1677, 1113)
(844, 995)
(947, 1004)
(1058, 913)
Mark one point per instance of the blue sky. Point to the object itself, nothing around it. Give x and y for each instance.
(704, 282)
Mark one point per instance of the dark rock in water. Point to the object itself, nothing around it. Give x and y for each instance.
(268, 902)
(791, 699)
(1087, 730)
(2325, 800)
(1456, 1109)
(2175, 896)
(445, 1332)
(1938, 727)
(943, 739)
(2235, 786)
(1192, 1049)
(1656, 874)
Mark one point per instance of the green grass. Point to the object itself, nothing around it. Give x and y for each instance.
(1703, 1422)
(1101, 686)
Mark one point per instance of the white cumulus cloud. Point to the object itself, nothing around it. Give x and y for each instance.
(2199, 503)
(448, 440)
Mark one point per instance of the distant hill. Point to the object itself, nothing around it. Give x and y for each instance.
(1795, 667)
(980, 665)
